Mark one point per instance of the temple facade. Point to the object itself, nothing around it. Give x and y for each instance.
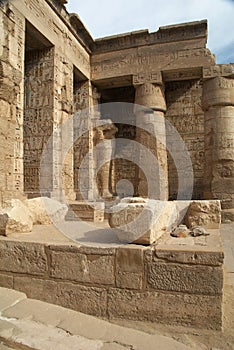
(51, 70)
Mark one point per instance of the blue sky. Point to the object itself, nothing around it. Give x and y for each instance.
(106, 17)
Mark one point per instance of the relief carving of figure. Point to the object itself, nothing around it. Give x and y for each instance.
(104, 148)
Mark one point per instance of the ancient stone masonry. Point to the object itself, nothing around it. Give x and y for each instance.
(218, 104)
(11, 102)
(151, 133)
(186, 115)
(94, 124)
(38, 113)
(52, 69)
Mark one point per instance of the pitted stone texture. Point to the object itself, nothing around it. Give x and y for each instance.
(186, 279)
(46, 211)
(93, 268)
(36, 288)
(210, 258)
(201, 311)
(23, 257)
(142, 222)
(16, 218)
(129, 268)
(205, 213)
(6, 281)
(28, 313)
(90, 300)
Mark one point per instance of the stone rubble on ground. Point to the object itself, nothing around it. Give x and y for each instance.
(144, 221)
(46, 211)
(15, 218)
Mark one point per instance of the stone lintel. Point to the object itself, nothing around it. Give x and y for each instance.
(182, 74)
(115, 82)
(219, 70)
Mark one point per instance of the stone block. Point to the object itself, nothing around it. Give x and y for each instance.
(206, 213)
(129, 268)
(81, 211)
(46, 211)
(22, 257)
(6, 281)
(199, 311)
(185, 278)
(89, 300)
(212, 258)
(15, 218)
(85, 268)
(36, 288)
(142, 222)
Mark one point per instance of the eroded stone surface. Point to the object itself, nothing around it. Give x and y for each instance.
(142, 222)
(204, 213)
(45, 211)
(16, 218)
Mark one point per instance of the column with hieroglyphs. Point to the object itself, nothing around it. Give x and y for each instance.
(150, 107)
(218, 105)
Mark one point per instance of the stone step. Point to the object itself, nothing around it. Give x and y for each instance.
(5, 347)
(82, 211)
(35, 325)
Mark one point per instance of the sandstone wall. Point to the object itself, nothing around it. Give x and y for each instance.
(185, 113)
(11, 102)
(38, 113)
(165, 284)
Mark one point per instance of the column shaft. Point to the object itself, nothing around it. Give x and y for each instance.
(218, 105)
(151, 134)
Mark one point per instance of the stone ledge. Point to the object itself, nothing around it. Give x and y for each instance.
(27, 320)
(21, 257)
(9, 298)
(177, 279)
(192, 310)
(185, 279)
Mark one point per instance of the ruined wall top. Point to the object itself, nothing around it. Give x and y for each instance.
(172, 33)
(73, 22)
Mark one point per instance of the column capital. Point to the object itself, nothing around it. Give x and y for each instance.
(218, 91)
(150, 95)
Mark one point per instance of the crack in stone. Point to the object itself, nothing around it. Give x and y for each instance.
(127, 346)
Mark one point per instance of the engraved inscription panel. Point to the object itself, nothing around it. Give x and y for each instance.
(186, 115)
(38, 113)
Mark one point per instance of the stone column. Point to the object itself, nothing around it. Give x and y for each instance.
(218, 105)
(54, 132)
(149, 110)
(86, 99)
(104, 147)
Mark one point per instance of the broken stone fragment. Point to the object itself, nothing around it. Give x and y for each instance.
(142, 221)
(16, 218)
(204, 213)
(180, 232)
(198, 231)
(46, 211)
